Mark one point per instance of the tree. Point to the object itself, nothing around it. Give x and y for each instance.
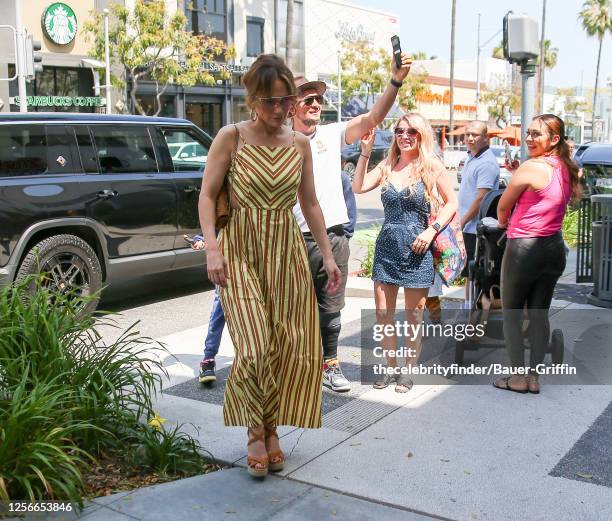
(422, 55)
(149, 44)
(365, 72)
(571, 103)
(502, 101)
(596, 20)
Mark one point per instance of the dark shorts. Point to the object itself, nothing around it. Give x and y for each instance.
(340, 249)
(470, 248)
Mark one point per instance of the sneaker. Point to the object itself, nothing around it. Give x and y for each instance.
(334, 379)
(207, 372)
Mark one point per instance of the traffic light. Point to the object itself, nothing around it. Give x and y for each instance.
(33, 57)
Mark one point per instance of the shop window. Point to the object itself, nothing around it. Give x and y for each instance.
(149, 104)
(255, 36)
(124, 150)
(188, 153)
(207, 17)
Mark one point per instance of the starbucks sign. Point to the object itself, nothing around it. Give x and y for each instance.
(59, 23)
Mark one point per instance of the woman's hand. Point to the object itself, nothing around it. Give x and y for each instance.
(422, 242)
(216, 266)
(367, 141)
(334, 277)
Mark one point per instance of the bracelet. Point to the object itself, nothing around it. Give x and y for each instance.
(363, 155)
(396, 84)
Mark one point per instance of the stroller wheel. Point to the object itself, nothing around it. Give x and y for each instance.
(459, 350)
(557, 346)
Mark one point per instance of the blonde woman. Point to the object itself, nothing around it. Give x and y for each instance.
(414, 186)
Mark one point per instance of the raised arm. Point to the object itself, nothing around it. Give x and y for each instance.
(359, 125)
(217, 164)
(364, 181)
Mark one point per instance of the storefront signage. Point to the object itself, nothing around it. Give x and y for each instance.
(60, 101)
(225, 67)
(351, 33)
(59, 23)
(443, 99)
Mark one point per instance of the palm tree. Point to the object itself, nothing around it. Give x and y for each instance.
(551, 54)
(596, 21)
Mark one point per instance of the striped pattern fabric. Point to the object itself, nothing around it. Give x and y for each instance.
(269, 303)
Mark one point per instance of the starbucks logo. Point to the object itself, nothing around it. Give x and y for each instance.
(59, 23)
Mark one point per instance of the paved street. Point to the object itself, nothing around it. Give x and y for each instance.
(447, 451)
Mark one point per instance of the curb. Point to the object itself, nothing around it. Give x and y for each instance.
(362, 287)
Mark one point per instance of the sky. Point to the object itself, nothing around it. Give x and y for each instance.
(426, 26)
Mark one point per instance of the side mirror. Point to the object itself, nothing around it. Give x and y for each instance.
(183, 155)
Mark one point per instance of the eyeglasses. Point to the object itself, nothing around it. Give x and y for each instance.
(309, 100)
(533, 134)
(407, 131)
(285, 102)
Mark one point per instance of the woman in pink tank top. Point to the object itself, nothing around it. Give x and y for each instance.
(534, 257)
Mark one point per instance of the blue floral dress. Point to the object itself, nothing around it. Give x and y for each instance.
(406, 216)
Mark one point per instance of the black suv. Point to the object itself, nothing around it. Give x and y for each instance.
(380, 147)
(92, 198)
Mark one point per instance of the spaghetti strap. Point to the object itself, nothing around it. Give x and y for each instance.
(293, 142)
(240, 134)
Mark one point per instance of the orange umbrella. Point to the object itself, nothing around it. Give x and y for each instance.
(511, 134)
(459, 131)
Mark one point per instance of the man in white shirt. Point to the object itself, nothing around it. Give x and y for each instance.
(326, 143)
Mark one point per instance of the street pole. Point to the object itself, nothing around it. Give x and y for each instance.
(451, 122)
(339, 88)
(541, 67)
(20, 59)
(528, 70)
(478, 71)
(107, 63)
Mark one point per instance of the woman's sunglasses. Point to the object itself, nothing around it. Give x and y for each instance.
(309, 100)
(407, 131)
(285, 102)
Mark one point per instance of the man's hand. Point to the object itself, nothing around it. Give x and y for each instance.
(400, 74)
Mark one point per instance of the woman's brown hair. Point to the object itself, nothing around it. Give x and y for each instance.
(556, 127)
(260, 78)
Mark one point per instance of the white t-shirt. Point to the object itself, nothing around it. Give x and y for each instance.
(326, 144)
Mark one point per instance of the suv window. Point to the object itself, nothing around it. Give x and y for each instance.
(383, 139)
(125, 149)
(186, 151)
(36, 149)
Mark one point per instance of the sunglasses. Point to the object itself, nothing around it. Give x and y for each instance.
(309, 100)
(407, 131)
(285, 102)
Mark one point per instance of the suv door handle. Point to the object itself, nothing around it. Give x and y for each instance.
(106, 194)
(191, 188)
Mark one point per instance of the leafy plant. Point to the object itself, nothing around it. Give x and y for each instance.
(368, 239)
(569, 227)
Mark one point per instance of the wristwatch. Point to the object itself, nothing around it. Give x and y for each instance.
(436, 226)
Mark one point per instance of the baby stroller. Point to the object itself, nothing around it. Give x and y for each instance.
(484, 290)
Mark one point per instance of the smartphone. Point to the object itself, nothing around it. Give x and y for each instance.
(397, 50)
(188, 239)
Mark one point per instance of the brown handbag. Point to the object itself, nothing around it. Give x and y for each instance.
(223, 208)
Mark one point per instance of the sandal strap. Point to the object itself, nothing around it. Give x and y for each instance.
(253, 436)
(254, 460)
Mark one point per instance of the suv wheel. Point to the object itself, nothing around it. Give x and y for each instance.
(71, 265)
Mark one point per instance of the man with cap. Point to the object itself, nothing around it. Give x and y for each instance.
(326, 142)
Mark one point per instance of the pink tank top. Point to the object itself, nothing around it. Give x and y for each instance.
(540, 213)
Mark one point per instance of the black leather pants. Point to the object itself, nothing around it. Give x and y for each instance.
(529, 273)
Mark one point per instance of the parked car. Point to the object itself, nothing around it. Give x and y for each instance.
(500, 154)
(91, 198)
(350, 153)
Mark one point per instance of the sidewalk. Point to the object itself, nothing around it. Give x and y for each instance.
(447, 451)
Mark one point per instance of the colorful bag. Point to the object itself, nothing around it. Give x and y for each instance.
(448, 250)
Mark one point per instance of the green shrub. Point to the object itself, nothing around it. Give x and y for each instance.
(368, 239)
(66, 396)
(570, 227)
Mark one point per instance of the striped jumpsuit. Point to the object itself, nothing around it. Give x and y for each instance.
(269, 303)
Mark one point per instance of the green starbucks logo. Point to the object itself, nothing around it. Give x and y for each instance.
(59, 23)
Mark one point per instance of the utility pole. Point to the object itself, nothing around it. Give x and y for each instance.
(107, 63)
(339, 88)
(20, 59)
(451, 122)
(478, 70)
(542, 65)
(528, 69)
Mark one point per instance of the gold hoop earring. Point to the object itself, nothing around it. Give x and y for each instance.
(253, 115)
